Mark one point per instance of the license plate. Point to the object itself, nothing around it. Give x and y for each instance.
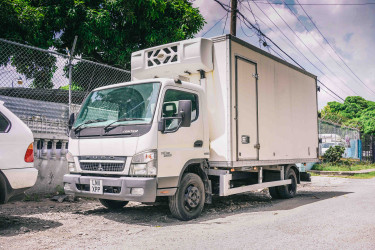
(96, 186)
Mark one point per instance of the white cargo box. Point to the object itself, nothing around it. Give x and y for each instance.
(261, 109)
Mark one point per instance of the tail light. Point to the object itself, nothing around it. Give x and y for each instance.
(29, 156)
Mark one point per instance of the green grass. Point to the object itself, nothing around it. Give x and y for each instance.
(343, 166)
(355, 176)
(31, 197)
(362, 176)
(314, 174)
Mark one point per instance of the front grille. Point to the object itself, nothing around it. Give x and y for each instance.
(100, 166)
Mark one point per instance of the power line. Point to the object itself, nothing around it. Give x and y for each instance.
(335, 60)
(225, 24)
(294, 46)
(328, 93)
(269, 39)
(256, 24)
(214, 25)
(331, 91)
(271, 31)
(326, 40)
(274, 51)
(243, 30)
(311, 51)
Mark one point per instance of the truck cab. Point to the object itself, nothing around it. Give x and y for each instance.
(131, 141)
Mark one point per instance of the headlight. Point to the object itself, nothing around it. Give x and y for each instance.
(71, 164)
(144, 164)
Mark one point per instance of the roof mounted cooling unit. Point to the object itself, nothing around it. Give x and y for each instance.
(173, 59)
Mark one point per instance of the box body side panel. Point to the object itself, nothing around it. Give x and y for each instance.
(287, 108)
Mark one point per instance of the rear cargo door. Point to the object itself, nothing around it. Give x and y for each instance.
(247, 109)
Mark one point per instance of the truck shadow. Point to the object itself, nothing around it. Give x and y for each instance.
(159, 215)
(15, 225)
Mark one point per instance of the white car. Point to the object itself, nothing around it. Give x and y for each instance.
(17, 172)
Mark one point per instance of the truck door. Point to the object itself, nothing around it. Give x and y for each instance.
(247, 109)
(176, 148)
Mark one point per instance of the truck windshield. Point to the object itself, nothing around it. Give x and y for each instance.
(132, 104)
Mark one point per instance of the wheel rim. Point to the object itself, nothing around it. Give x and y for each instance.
(292, 186)
(192, 197)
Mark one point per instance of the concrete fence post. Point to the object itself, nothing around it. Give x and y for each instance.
(35, 147)
(45, 149)
(53, 149)
(63, 148)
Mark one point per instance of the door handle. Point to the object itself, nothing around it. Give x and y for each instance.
(198, 144)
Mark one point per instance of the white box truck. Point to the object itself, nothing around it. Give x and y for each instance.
(201, 117)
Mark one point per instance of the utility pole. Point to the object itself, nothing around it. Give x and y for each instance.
(233, 17)
(71, 54)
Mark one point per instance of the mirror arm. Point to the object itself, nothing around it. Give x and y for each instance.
(162, 129)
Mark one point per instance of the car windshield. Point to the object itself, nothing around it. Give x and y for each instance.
(131, 104)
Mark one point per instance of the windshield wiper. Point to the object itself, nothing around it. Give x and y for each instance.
(122, 120)
(88, 122)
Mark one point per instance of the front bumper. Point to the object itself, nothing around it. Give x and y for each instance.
(115, 188)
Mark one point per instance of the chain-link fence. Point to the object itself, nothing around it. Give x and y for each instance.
(28, 73)
(368, 148)
(331, 134)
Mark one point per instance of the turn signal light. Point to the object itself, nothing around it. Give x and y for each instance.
(29, 156)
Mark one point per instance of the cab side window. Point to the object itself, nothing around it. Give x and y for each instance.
(4, 124)
(170, 106)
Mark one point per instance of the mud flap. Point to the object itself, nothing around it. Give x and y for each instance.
(305, 176)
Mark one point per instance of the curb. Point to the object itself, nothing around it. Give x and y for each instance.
(342, 172)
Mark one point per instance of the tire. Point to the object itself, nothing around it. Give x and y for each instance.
(288, 191)
(3, 190)
(113, 204)
(188, 201)
(274, 192)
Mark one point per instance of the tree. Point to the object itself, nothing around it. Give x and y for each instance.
(108, 30)
(355, 112)
(20, 21)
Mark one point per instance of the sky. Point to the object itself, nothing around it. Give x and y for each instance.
(348, 30)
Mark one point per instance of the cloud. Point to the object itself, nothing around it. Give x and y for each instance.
(349, 29)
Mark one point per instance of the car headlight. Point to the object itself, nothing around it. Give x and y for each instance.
(71, 163)
(144, 164)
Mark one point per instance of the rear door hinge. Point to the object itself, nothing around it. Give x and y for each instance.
(257, 146)
(256, 76)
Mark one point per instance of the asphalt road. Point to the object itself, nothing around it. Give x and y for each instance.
(329, 213)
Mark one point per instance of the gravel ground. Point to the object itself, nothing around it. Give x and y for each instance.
(327, 213)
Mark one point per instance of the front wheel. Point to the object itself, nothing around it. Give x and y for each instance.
(188, 201)
(113, 204)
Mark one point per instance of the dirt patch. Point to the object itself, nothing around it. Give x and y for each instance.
(84, 223)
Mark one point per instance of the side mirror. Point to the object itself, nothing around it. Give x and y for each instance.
(182, 120)
(184, 110)
(71, 121)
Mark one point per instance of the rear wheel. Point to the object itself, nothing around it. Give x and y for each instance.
(288, 191)
(274, 192)
(188, 201)
(112, 204)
